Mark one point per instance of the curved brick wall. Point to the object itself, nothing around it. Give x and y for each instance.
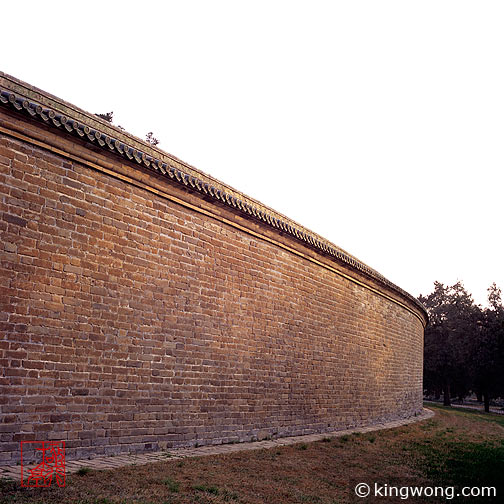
(141, 311)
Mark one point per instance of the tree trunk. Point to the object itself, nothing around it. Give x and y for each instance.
(486, 398)
(446, 394)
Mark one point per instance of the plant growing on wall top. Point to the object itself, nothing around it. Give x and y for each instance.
(150, 138)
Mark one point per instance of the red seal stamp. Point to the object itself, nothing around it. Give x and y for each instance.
(50, 464)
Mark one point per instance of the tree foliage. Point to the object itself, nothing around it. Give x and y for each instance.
(464, 344)
(488, 356)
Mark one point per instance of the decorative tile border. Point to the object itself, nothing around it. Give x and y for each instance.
(206, 188)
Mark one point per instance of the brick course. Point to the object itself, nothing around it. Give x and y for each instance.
(136, 315)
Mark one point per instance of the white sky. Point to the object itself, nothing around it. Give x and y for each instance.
(377, 124)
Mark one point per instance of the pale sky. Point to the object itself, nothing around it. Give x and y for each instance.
(377, 124)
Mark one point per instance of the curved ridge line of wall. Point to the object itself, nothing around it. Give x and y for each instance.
(195, 208)
(58, 120)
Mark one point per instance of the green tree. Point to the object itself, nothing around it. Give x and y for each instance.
(488, 357)
(449, 340)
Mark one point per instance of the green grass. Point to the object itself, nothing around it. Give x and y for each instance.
(208, 489)
(461, 463)
(476, 415)
(172, 485)
(449, 457)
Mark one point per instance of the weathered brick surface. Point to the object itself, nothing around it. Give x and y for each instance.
(131, 323)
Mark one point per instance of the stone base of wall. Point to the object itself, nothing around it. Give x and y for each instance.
(103, 463)
(253, 436)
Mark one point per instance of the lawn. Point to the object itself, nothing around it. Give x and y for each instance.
(457, 448)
